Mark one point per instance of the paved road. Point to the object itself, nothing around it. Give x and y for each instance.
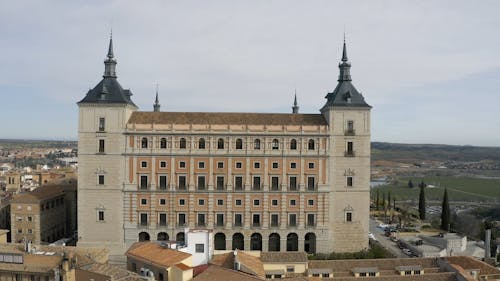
(385, 241)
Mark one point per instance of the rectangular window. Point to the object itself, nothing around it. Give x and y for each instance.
(275, 165)
(182, 202)
(102, 124)
(293, 202)
(310, 184)
(182, 164)
(293, 183)
(274, 202)
(30, 218)
(256, 165)
(101, 146)
(201, 165)
(310, 202)
(101, 179)
(181, 219)
(219, 220)
(201, 182)
(144, 164)
(311, 220)
(220, 165)
(144, 219)
(238, 165)
(220, 202)
(238, 220)
(237, 202)
(201, 202)
(349, 181)
(238, 183)
(350, 126)
(293, 165)
(275, 183)
(199, 248)
(163, 182)
(163, 164)
(100, 215)
(350, 149)
(163, 202)
(162, 219)
(256, 202)
(348, 216)
(144, 201)
(220, 183)
(182, 183)
(256, 220)
(201, 219)
(274, 220)
(292, 220)
(256, 183)
(144, 182)
(311, 165)
(290, 268)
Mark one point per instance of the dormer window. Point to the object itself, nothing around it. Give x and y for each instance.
(348, 97)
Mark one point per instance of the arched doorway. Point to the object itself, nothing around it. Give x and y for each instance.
(220, 241)
(292, 242)
(256, 242)
(162, 236)
(143, 236)
(274, 242)
(238, 242)
(180, 237)
(310, 243)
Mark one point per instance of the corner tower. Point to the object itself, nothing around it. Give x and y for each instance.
(348, 118)
(103, 115)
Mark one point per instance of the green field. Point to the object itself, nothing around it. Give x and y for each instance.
(459, 189)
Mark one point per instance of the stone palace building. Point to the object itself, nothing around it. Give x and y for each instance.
(258, 181)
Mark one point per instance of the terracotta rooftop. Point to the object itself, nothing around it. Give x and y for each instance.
(156, 254)
(469, 263)
(36, 196)
(217, 273)
(249, 264)
(381, 264)
(283, 257)
(226, 118)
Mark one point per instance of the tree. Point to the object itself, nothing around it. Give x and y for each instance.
(383, 200)
(445, 212)
(394, 203)
(378, 200)
(410, 184)
(422, 184)
(421, 203)
(389, 200)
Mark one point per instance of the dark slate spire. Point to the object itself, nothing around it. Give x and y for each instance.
(295, 107)
(345, 94)
(345, 66)
(108, 90)
(110, 62)
(156, 105)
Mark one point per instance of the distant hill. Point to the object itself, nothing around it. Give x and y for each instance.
(433, 152)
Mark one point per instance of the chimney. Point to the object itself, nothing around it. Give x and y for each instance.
(487, 243)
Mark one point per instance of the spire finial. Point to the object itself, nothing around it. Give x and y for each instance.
(344, 51)
(156, 105)
(295, 107)
(110, 48)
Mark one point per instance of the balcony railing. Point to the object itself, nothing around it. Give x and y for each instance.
(349, 153)
(143, 224)
(310, 224)
(219, 224)
(162, 223)
(350, 132)
(256, 224)
(292, 225)
(182, 224)
(201, 224)
(238, 224)
(144, 186)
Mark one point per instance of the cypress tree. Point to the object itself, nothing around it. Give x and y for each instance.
(421, 203)
(383, 200)
(394, 203)
(410, 184)
(378, 199)
(389, 200)
(445, 212)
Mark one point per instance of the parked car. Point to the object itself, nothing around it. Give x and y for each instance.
(371, 236)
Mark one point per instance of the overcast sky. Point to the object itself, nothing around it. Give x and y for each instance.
(430, 69)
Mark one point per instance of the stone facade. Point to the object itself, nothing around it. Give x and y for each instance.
(270, 182)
